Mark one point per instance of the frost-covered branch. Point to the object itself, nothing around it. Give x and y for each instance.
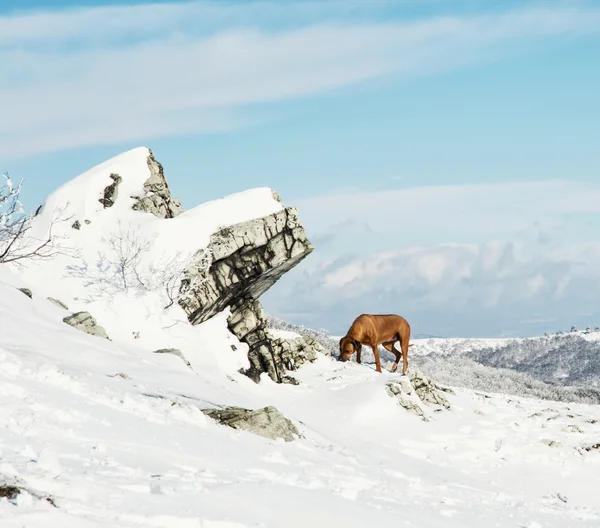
(126, 263)
(17, 244)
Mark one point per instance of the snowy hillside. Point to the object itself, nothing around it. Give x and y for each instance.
(114, 435)
(564, 360)
(107, 432)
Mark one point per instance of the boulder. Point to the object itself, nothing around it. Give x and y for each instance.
(267, 422)
(405, 394)
(110, 192)
(27, 292)
(243, 260)
(241, 263)
(157, 198)
(428, 390)
(86, 323)
(58, 303)
(415, 392)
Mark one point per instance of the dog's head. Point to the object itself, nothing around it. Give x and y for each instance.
(347, 347)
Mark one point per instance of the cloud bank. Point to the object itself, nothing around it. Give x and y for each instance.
(533, 271)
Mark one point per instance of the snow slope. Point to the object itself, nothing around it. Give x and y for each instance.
(115, 435)
(134, 450)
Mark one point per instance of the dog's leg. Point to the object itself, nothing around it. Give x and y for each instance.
(376, 354)
(389, 346)
(404, 345)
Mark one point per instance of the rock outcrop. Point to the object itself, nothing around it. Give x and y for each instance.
(267, 422)
(157, 198)
(415, 391)
(86, 323)
(58, 303)
(268, 353)
(240, 263)
(110, 192)
(27, 292)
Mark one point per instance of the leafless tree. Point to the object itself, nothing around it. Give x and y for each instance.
(167, 274)
(17, 244)
(126, 263)
(128, 247)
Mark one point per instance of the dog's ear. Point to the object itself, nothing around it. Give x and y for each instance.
(357, 345)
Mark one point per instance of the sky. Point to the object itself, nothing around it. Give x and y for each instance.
(444, 156)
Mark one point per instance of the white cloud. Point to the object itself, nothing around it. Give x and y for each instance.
(515, 282)
(487, 210)
(491, 289)
(109, 74)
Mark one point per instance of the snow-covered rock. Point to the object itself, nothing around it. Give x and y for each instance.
(157, 197)
(415, 391)
(58, 302)
(240, 263)
(27, 292)
(86, 323)
(267, 422)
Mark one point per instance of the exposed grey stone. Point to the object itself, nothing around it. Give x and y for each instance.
(76, 225)
(86, 323)
(406, 396)
(551, 443)
(240, 263)
(592, 447)
(267, 353)
(415, 390)
(267, 422)
(9, 492)
(27, 292)
(157, 198)
(111, 191)
(572, 428)
(243, 260)
(427, 389)
(58, 303)
(175, 352)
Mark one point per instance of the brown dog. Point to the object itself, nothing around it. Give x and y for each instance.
(375, 330)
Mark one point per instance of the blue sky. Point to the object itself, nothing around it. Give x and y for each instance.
(394, 126)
